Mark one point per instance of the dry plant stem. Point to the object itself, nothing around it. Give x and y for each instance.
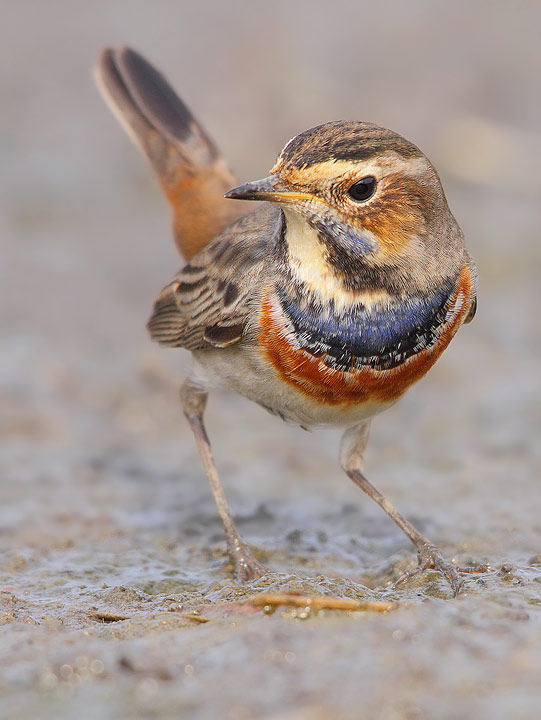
(320, 603)
(193, 403)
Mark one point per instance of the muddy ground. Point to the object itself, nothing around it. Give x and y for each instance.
(116, 599)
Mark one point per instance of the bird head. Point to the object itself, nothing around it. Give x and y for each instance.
(364, 204)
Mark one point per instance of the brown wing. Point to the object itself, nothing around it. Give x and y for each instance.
(191, 170)
(211, 301)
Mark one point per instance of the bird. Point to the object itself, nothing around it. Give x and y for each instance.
(324, 303)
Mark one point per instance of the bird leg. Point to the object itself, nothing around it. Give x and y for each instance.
(351, 458)
(193, 403)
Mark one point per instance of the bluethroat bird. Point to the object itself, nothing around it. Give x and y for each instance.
(325, 303)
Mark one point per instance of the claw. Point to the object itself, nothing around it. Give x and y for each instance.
(430, 558)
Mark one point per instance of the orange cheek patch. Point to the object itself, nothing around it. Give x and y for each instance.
(396, 216)
(309, 374)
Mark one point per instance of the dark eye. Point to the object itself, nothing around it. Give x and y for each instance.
(363, 189)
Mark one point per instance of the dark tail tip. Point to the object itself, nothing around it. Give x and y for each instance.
(155, 97)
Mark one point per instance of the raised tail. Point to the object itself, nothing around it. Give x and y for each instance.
(191, 170)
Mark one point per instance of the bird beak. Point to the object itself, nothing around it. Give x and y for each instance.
(265, 189)
(271, 188)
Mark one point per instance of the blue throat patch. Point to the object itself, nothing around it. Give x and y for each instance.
(381, 336)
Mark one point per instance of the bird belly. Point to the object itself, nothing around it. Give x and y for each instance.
(247, 371)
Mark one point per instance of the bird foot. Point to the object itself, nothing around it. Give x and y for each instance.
(246, 567)
(430, 558)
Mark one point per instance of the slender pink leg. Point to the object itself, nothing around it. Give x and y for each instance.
(351, 457)
(193, 403)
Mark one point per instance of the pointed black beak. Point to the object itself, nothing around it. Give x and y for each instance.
(266, 189)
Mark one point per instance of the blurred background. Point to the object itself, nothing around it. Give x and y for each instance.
(96, 460)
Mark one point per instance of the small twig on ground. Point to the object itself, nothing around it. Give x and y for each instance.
(107, 617)
(196, 618)
(320, 603)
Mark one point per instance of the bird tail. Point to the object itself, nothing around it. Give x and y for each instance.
(190, 168)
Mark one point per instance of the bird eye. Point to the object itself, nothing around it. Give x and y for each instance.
(363, 189)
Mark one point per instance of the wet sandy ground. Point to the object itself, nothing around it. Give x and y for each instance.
(115, 595)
